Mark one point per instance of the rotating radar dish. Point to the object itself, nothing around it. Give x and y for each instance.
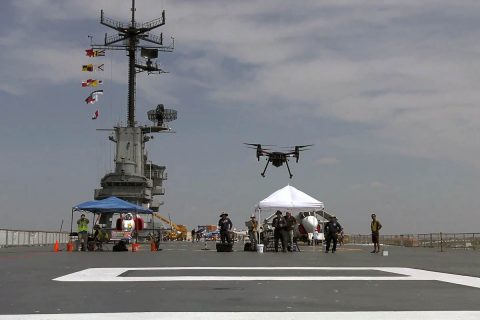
(160, 115)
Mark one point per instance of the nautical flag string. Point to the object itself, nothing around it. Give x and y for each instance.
(93, 97)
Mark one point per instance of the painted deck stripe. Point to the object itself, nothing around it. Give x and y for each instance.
(243, 278)
(369, 315)
(409, 274)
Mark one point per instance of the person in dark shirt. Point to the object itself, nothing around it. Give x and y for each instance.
(375, 226)
(291, 223)
(225, 225)
(253, 230)
(279, 224)
(332, 228)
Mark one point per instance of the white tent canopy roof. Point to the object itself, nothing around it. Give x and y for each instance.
(290, 198)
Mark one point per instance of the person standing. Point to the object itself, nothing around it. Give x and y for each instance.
(193, 235)
(375, 226)
(82, 225)
(332, 228)
(252, 231)
(225, 225)
(291, 223)
(341, 237)
(279, 224)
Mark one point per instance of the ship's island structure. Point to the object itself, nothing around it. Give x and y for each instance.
(135, 179)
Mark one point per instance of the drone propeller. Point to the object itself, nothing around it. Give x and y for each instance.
(297, 147)
(259, 145)
(304, 146)
(297, 150)
(260, 149)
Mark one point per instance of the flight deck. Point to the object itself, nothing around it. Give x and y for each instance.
(184, 279)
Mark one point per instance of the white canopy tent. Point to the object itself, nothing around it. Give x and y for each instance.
(289, 198)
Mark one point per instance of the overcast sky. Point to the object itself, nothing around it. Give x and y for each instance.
(386, 91)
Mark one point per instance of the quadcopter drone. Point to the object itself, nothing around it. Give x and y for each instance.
(278, 158)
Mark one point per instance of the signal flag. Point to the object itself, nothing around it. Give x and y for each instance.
(91, 67)
(93, 97)
(94, 53)
(91, 83)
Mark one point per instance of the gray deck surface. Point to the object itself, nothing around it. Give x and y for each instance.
(26, 285)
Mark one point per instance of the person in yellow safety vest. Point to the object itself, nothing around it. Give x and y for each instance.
(82, 224)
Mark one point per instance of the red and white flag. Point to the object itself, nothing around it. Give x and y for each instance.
(93, 97)
(95, 115)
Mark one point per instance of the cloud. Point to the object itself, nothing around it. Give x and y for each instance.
(377, 185)
(325, 161)
(405, 70)
(368, 186)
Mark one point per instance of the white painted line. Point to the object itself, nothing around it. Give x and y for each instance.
(368, 315)
(114, 274)
(241, 278)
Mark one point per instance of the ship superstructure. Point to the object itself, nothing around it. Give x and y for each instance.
(136, 179)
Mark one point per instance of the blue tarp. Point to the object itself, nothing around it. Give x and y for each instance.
(111, 205)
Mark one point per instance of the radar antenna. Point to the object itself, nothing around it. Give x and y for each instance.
(128, 39)
(160, 115)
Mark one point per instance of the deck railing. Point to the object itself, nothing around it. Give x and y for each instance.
(10, 238)
(428, 240)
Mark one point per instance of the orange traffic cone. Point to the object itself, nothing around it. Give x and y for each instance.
(153, 246)
(70, 246)
(55, 246)
(135, 247)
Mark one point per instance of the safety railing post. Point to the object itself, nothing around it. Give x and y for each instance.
(441, 242)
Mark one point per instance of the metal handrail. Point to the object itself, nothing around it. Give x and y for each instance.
(465, 240)
(11, 238)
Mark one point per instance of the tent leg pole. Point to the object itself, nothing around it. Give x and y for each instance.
(71, 224)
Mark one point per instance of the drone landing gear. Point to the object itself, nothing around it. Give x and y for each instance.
(291, 175)
(263, 173)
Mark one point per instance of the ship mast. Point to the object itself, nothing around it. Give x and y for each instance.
(132, 50)
(136, 178)
(128, 38)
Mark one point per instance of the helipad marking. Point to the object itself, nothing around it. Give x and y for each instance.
(407, 274)
(369, 315)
